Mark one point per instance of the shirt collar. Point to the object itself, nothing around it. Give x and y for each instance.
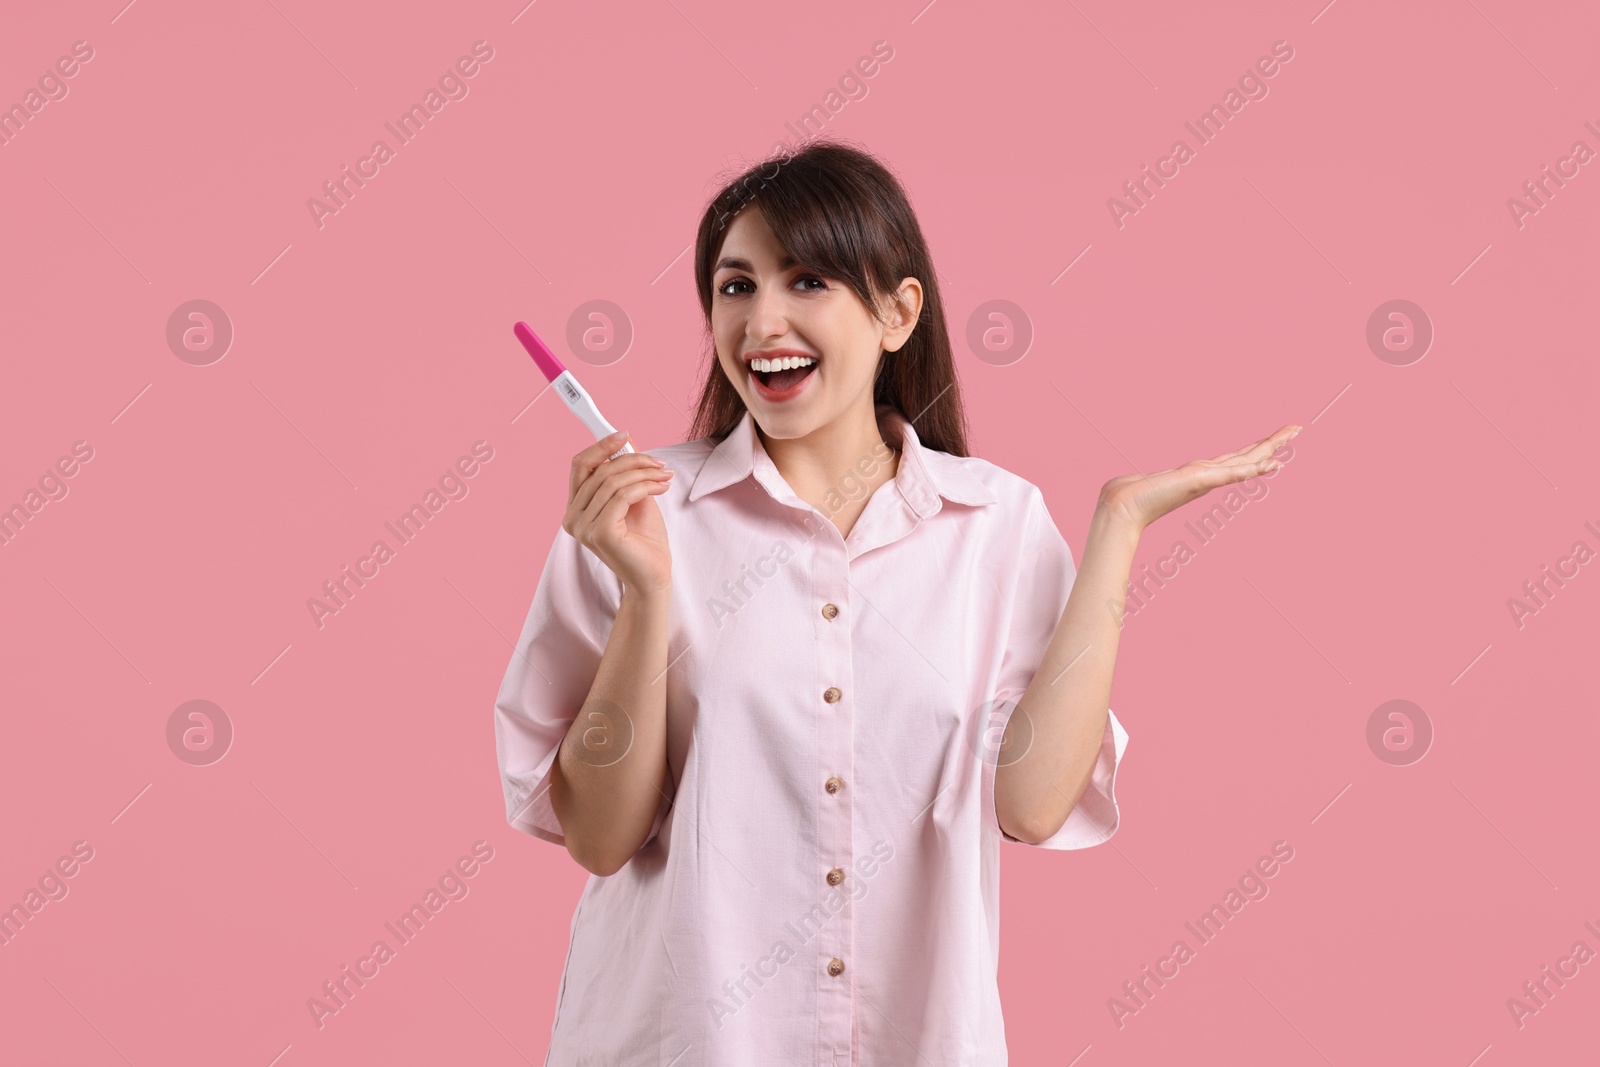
(924, 474)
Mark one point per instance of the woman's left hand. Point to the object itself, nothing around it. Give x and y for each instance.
(1141, 499)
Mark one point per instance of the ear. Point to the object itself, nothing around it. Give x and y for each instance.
(904, 309)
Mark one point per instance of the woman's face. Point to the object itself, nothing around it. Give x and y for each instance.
(764, 306)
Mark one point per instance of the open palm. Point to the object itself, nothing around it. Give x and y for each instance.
(1144, 498)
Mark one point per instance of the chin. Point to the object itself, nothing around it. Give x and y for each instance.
(786, 424)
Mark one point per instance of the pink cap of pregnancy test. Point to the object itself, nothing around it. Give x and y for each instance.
(539, 351)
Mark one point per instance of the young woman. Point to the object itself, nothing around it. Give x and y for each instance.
(785, 687)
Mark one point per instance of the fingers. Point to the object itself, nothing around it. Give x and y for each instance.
(623, 499)
(585, 462)
(1279, 439)
(626, 463)
(1240, 471)
(1198, 477)
(1264, 447)
(612, 484)
(1249, 463)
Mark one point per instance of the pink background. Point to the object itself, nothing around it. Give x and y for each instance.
(370, 353)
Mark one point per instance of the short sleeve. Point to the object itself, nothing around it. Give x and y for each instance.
(1044, 580)
(551, 670)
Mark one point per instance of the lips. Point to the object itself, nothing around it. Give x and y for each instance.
(780, 385)
(777, 385)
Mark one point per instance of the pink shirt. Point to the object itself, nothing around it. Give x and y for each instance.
(823, 888)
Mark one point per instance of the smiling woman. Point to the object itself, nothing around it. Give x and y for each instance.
(824, 268)
(895, 673)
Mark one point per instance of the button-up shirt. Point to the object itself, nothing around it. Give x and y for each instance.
(820, 884)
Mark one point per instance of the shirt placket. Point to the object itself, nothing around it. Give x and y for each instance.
(836, 786)
(888, 516)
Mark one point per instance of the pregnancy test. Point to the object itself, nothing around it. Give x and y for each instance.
(577, 398)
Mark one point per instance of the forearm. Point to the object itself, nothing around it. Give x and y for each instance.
(611, 772)
(1066, 702)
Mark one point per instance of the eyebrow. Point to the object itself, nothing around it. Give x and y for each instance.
(735, 263)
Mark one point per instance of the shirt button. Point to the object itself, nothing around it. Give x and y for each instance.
(829, 611)
(832, 694)
(835, 876)
(834, 784)
(836, 966)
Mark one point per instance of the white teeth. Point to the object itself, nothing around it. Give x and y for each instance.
(787, 363)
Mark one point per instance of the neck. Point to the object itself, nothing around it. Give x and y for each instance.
(858, 449)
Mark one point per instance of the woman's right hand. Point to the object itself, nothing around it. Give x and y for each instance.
(610, 513)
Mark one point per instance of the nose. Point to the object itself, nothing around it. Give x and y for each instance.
(769, 317)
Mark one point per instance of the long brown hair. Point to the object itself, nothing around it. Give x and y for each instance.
(841, 213)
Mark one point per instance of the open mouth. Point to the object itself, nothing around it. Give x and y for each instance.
(781, 381)
(784, 378)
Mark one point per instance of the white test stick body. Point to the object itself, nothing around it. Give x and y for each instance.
(583, 406)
